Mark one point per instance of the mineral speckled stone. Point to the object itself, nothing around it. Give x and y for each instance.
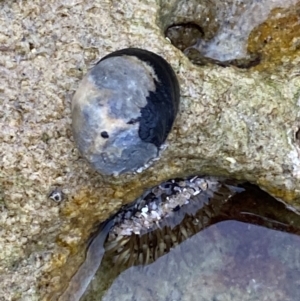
(124, 109)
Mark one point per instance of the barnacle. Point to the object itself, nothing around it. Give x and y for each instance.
(124, 109)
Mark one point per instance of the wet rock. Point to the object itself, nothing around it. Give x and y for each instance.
(237, 123)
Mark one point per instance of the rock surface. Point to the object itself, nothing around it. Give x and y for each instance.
(237, 123)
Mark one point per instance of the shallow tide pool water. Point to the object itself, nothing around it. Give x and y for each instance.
(245, 254)
(228, 261)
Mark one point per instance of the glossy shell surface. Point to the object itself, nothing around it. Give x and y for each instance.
(123, 110)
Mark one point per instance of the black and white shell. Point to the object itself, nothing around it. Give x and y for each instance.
(124, 109)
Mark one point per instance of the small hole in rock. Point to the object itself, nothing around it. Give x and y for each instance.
(184, 35)
(104, 135)
(189, 37)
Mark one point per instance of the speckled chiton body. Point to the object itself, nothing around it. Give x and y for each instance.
(124, 109)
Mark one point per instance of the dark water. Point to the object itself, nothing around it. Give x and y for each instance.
(248, 249)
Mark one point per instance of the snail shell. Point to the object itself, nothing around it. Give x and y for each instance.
(124, 109)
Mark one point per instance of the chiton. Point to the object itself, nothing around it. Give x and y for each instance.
(145, 230)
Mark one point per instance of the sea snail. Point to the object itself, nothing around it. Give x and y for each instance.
(124, 109)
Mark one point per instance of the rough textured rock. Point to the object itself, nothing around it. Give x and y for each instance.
(242, 124)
